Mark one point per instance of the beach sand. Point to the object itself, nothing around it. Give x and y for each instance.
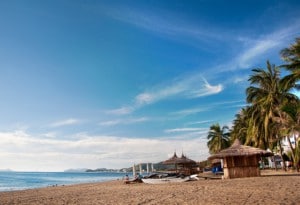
(256, 190)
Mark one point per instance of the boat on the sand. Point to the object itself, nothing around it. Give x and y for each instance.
(165, 180)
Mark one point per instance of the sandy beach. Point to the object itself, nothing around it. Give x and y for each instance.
(267, 189)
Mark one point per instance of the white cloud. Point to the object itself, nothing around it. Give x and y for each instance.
(123, 121)
(191, 111)
(23, 151)
(66, 122)
(205, 90)
(193, 86)
(199, 122)
(260, 48)
(144, 98)
(166, 23)
(196, 110)
(50, 134)
(121, 111)
(186, 129)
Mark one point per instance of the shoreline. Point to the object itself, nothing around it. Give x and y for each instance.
(268, 189)
(17, 181)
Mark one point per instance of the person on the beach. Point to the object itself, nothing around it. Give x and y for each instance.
(126, 180)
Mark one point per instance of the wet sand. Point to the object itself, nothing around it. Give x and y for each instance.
(273, 188)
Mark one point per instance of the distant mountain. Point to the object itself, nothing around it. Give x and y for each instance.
(6, 170)
(158, 166)
(76, 170)
(102, 170)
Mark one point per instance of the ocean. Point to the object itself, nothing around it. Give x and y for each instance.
(10, 181)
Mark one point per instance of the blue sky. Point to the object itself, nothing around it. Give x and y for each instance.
(111, 83)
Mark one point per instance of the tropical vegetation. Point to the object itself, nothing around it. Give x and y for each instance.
(272, 113)
(218, 138)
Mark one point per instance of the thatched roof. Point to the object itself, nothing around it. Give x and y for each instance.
(185, 160)
(179, 160)
(173, 160)
(240, 150)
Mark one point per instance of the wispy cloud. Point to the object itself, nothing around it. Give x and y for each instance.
(199, 122)
(256, 49)
(191, 111)
(123, 121)
(186, 129)
(165, 23)
(194, 86)
(66, 122)
(121, 111)
(205, 90)
(196, 110)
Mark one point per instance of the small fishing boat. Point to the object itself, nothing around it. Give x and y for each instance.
(165, 180)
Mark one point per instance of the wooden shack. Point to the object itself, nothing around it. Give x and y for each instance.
(240, 160)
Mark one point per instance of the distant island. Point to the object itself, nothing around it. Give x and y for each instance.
(76, 170)
(6, 170)
(103, 170)
(157, 166)
(96, 170)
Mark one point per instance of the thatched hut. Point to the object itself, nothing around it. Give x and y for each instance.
(240, 160)
(182, 164)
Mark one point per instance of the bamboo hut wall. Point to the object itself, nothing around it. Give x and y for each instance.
(241, 161)
(240, 172)
(241, 166)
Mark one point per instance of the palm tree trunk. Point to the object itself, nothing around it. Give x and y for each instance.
(274, 163)
(280, 148)
(293, 153)
(297, 153)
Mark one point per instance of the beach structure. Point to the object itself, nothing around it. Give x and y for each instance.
(139, 168)
(217, 165)
(182, 164)
(240, 160)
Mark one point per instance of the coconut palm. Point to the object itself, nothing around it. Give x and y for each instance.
(218, 138)
(291, 128)
(240, 126)
(264, 94)
(267, 94)
(292, 56)
(265, 120)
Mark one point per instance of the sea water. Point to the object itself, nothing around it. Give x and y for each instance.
(10, 181)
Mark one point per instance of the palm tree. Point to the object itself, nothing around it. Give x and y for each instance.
(265, 95)
(292, 56)
(291, 128)
(240, 125)
(218, 138)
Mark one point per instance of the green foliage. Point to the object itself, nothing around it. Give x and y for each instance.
(272, 111)
(218, 138)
